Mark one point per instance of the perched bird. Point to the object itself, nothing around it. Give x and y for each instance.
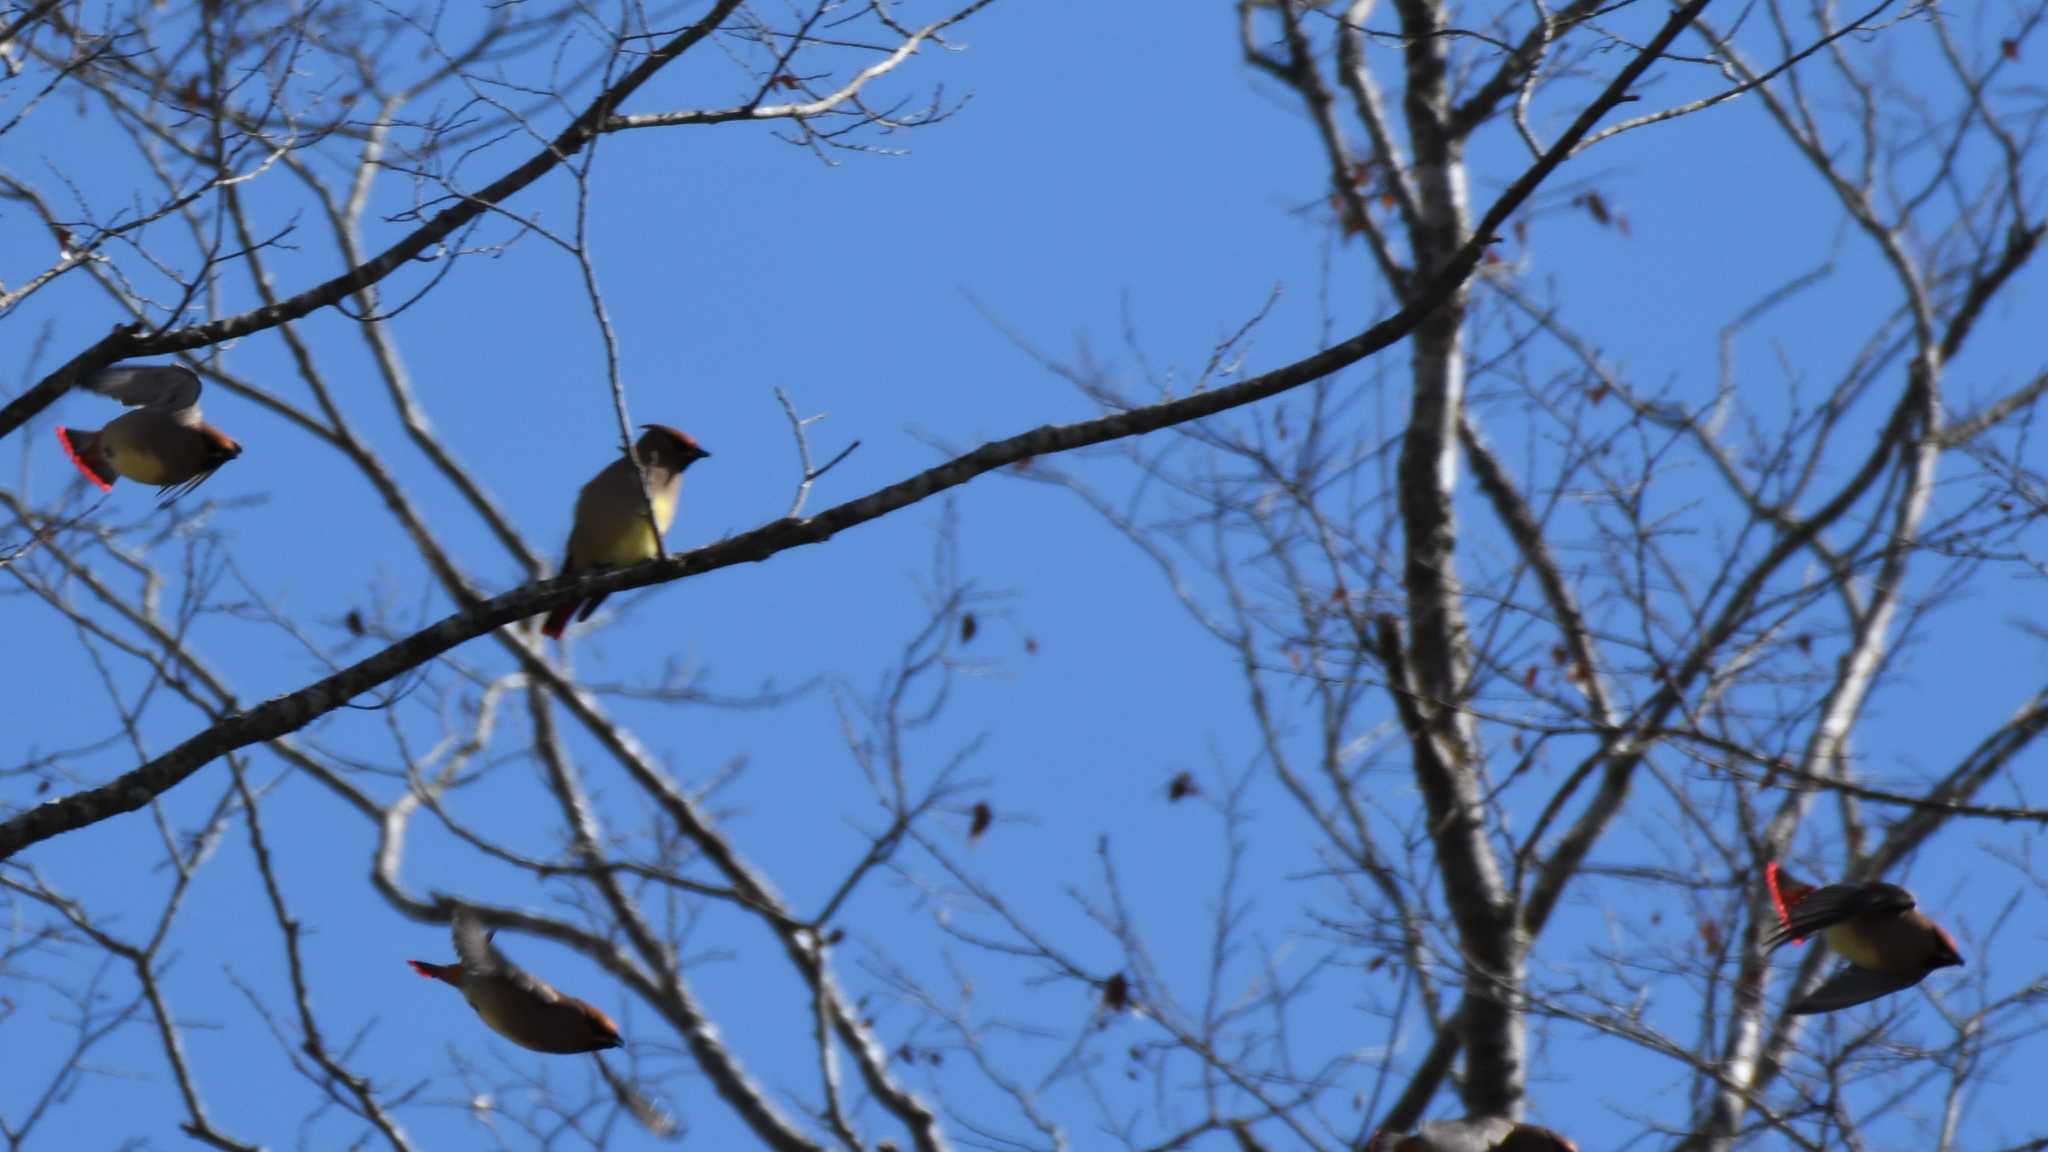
(163, 442)
(1889, 944)
(517, 1004)
(1486, 1134)
(611, 516)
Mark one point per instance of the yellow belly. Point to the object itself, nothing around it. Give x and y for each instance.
(1855, 947)
(149, 448)
(621, 536)
(139, 466)
(635, 544)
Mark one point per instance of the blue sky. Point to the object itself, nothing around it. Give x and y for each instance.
(1109, 162)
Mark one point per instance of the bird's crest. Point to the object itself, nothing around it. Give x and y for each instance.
(688, 442)
(223, 445)
(1948, 942)
(602, 1024)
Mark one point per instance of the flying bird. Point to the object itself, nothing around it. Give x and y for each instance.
(611, 515)
(162, 442)
(1889, 944)
(516, 1004)
(1482, 1134)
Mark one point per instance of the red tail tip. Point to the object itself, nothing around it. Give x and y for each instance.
(78, 460)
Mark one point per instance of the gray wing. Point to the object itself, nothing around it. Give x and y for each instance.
(473, 946)
(481, 956)
(1823, 908)
(1850, 986)
(171, 387)
(530, 984)
(1470, 1135)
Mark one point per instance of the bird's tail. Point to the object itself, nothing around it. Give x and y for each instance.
(558, 620)
(1785, 892)
(83, 448)
(446, 973)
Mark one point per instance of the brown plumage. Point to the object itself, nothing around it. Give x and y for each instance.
(611, 517)
(1890, 945)
(1485, 1134)
(516, 1004)
(162, 442)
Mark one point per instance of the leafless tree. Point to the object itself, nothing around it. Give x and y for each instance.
(1641, 667)
(367, 150)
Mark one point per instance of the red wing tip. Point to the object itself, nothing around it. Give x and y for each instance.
(77, 461)
(1771, 876)
(1777, 894)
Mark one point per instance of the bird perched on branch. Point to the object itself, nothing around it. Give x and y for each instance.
(611, 515)
(163, 442)
(1482, 1134)
(516, 1004)
(1889, 944)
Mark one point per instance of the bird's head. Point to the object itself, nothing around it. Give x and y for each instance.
(1946, 955)
(671, 445)
(603, 1033)
(220, 447)
(1531, 1138)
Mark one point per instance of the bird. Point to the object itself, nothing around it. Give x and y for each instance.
(162, 442)
(1890, 945)
(1477, 1134)
(515, 1003)
(611, 515)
